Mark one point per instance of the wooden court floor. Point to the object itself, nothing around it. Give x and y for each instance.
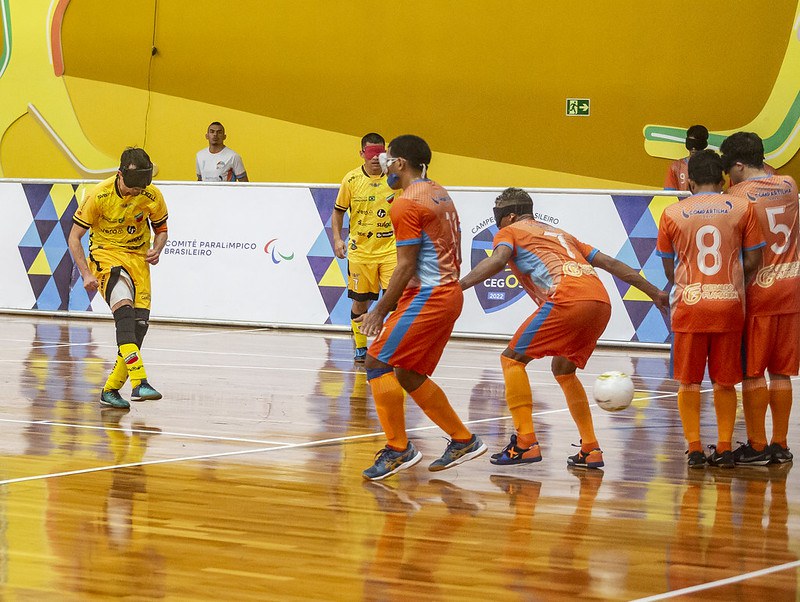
(244, 482)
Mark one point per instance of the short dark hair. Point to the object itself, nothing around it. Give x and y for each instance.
(696, 138)
(372, 138)
(411, 148)
(517, 198)
(742, 147)
(705, 167)
(135, 156)
(215, 123)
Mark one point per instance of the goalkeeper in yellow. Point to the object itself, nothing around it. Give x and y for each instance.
(370, 250)
(120, 213)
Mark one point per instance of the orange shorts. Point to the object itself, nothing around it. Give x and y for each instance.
(414, 336)
(722, 350)
(567, 330)
(772, 343)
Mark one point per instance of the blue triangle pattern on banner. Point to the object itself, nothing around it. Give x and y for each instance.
(324, 198)
(55, 247)
(340, 314)
(653, 329)
(36, 195)
(79, 298)
(645, 228)
(49, 299)
(654, 271)
(321, 247)
(628, 255)
(47, 211)
(630, 209)
(31, 238)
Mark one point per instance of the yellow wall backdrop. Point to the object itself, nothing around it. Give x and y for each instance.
(297, 84)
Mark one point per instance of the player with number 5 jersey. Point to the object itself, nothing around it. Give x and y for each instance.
(710, 244)
(772, 327)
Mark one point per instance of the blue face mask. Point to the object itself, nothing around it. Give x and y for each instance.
(393, 180)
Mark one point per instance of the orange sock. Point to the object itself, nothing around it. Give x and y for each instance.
(755, 400)
(780, 404)
(725, 408)
(434, 403)
(578, 405)
(388, 395)
(518, 396)
(689, 409)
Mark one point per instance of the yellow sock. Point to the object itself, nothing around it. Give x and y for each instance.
(689, 410)
(755, 401)
(780, 404)
(434, 403)
(578, 405)
(118, 375)
(133, 361)
(725, 408)
(388, 396)
(518, 395)
(360, 339)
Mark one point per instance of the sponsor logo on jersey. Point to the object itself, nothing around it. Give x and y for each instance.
(767, 275)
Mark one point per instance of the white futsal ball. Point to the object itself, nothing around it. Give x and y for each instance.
(613, 391)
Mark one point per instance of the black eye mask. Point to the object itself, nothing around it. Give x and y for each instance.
(137, 178)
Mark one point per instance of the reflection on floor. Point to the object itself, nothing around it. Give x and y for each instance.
(244, 482)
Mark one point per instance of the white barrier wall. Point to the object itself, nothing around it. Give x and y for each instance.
(263, 253)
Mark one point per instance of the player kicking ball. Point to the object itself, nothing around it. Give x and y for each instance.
(557, 271)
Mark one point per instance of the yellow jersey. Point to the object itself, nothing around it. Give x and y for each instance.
(121, 223)
(367, 197)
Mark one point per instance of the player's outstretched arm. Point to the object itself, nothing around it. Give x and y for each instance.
(488, 267)
(627, 274)
(372, 322)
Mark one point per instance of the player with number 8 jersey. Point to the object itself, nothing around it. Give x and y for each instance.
(710, 244)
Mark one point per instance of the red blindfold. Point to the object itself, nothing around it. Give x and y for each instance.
(373, 150)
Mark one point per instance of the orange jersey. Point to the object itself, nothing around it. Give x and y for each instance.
(678, 175)
(425, 215)
(550, 264)
(776, 289)
(705, 235)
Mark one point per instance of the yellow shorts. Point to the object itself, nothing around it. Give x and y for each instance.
(105, 265)
(365, 280)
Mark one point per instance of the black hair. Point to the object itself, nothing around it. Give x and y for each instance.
(516, 197)
(411, 148)
(742, 147)
(216, 123)
(705, 167)
(696, 138)
(372, 138)
(135, 156)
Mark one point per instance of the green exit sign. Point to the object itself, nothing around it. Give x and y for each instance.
(578, 107)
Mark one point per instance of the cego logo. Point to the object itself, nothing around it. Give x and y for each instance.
(276, 255)
(501, 290)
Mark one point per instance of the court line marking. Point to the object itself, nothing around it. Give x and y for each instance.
(242, 452)
(328, 370)
(720, 582)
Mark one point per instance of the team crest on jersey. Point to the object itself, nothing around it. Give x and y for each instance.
(692, 293)
(139, 216)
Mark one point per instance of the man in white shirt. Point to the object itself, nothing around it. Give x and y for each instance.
(218, 163)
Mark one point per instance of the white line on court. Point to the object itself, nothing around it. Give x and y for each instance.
(243, 452)
(720, 582)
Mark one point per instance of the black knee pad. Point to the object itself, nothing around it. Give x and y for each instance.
(142, 324)
(125, 320)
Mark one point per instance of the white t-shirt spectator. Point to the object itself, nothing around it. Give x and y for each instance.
(224, 166)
